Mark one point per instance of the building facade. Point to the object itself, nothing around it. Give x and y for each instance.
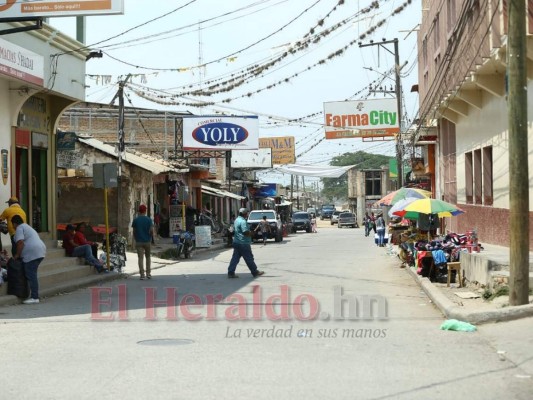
(42, 72)
(463, 109)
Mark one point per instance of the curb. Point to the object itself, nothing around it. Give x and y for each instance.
(452, 311)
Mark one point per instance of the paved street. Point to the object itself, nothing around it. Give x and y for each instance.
(62, 351)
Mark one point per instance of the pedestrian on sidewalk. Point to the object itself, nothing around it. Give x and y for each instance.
(31, 250)
(143, 233)
(242, 240)
(13, 209)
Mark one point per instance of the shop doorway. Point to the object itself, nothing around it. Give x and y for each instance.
(39, 185)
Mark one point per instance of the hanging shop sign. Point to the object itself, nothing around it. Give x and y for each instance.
(60, 8)
(361, 119)
(5, 165)
(221, 133)
(19, 63)
(282, 149)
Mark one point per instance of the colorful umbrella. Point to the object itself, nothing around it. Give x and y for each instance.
(402, 194)
(429, 207)
(400, 205)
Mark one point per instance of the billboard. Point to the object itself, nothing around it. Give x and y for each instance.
(282, 149)
(361, 119)
(264, 190)
(260, 158)
(59, 8)
(17, 62)
(220, 133)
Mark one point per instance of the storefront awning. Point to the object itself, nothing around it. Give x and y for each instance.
(220, 193)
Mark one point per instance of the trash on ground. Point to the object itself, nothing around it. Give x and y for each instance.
(467, 295)
(455, 325)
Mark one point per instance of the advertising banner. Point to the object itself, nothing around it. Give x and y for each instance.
(59, 8)
(282, 149)
(17, 62)
(361, 119)
(260, 158)
(220, 133)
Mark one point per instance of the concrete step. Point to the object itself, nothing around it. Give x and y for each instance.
(62, 287)
(58, 273)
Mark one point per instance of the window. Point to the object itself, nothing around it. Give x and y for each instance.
(436, 33)
(478, 183)
(373, 183)
(425, 52)
(487, 176)
(450, 15)
(469, 178)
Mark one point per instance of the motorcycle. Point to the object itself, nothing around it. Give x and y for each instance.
(186, 244)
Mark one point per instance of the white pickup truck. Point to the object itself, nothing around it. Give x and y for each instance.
(276, 230)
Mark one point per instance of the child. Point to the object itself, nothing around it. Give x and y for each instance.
(313, 223)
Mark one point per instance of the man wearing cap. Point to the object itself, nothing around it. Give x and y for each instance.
(72, 249)
(13, 209)
(143, 233)
(242, 240)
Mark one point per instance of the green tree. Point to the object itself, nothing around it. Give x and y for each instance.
(337, 188)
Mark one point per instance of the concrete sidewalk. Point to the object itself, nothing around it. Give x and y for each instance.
(475, 310)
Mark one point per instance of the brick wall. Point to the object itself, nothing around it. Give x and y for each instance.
(490, 223)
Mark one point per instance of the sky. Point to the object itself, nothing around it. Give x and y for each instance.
(165, 43)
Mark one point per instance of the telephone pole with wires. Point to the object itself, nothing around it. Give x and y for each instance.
(397, 68)
(121, 143)
(518, 154)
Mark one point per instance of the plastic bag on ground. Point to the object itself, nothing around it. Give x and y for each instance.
(455, 325)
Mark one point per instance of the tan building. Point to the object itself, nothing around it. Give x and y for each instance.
(463, 110)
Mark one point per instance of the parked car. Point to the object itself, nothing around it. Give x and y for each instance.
(301, 221)
(335, 217)
(256, 216)
(347, 219)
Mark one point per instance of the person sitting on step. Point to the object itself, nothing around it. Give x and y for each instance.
(74, 250)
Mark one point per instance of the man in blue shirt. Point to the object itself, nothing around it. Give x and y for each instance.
(143, 232)
(242, 240)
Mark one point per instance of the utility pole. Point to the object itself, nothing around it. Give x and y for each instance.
(518, 154)
(397, 68)
(121, 145)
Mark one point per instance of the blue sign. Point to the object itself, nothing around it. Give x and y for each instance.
(220, 133)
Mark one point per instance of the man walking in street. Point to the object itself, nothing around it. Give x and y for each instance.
(143, 233)
(31, 250)
(13, 209)
(242, 240)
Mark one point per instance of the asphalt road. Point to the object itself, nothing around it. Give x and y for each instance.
(374, 334)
